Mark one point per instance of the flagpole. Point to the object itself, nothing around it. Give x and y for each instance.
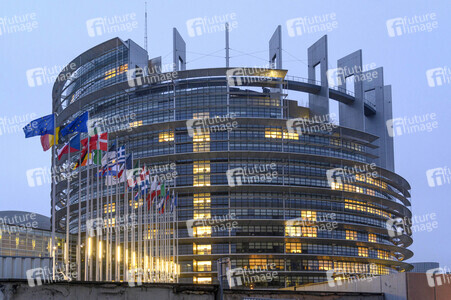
(79, 217)
(52, 251)
(151, 268)
(132, 256)
(101, 215)
(66, 252)
(87, 238)
(177, 241)
(140, 229)
(145, 225)
(117, 216)
(91, 272)
(98, 214)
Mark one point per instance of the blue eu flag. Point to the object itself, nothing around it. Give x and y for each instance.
(41, 126)
(77, 125)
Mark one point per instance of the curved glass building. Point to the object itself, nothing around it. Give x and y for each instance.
(260, 178)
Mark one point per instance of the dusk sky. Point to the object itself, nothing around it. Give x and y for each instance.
(54, 32)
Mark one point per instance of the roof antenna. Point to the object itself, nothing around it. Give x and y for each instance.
(227, 48)
(145, 26)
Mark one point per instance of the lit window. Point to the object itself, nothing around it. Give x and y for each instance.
(255, 263)
(116, 71)
(382, 254)
(108, 208)
(201, 180)
(351, 235)
(202, 249)
(309, 232)
(136, 123)
(276, 133)
(165, 136)
(202, 266)
(201, 214)
(363, 252)
(202, 200)
(201, 147)
(293, 248)
(372, 238)
(201, 115)
(301, 231)
(202, 231)
(201, 167)
(308, 215)
(273, 133)
(202, 280)
(336, 186)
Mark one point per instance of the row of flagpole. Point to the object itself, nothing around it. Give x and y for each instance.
(146, 250)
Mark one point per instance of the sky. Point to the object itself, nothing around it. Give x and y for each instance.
(49, 34)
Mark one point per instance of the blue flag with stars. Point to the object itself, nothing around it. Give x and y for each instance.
(80, 124)
(41, 126)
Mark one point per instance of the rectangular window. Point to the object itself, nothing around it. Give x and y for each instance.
(165, 136)
(202, 266)
(308, 215)
(372, 238)
(351, 235)
(363, 252)
(202, 249)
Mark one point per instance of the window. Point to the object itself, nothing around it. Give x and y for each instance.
(201, 249)
(202, 231)
(351, 235)
(363, 252)
(136, 123)
(293, 248)
(308, 215)
(202, 266)
(301, 231)
(372, 238)
(165, 136)
(202, 280)
(276, 133)
(116, 71)
(108, 208)
(201, 167)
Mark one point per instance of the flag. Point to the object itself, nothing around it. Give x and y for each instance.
(116, 164)
(131, 182)
(48, 140)
(86, 158)
(41, 126)
(72, 146)
(126, 166)
(163, 190)
(109, 157)
(97, 157)
(160, 205)
(153, 189)
(77, 125)
(174, 201)
(121, 155)
(99, 142)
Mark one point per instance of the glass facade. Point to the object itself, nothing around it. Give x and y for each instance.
(265, 234)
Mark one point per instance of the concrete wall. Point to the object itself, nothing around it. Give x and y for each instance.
(411, 286)
(19, 290)
(16, 267)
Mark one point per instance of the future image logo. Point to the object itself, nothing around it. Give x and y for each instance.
(438, 276)
(438, 76)
(312, 24)
(438, 176)
(409, 25)
(199, 26)
(412, 124)
(115, 24)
